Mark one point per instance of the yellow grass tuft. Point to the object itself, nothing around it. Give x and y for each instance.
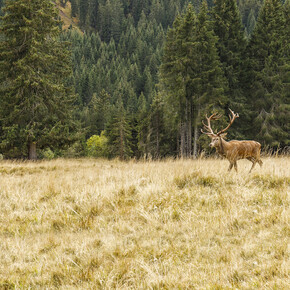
(179, 224)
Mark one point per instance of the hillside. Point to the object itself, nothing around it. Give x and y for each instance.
(144, 74)
(65, 14)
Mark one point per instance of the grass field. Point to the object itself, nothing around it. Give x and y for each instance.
(185, 224)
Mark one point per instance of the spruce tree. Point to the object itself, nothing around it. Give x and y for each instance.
(269, 59)
(159, 139)
(251, 22)
(176, 73)
(74, 8)
(35, 103)
(231, 48)
(209, 81)
(84, 13)
(119, 134)
(142, 121)
(191, 74)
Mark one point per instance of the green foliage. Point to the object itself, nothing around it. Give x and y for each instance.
(231, 49)
(269, 62)
(36, 104)
(47, 154)
(191, 73)
(97, 145)
(119, 133)
(116, 59)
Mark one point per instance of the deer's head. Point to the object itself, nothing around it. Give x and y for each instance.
(216, 137)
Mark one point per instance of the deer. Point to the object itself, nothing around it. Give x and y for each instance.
(232, 150)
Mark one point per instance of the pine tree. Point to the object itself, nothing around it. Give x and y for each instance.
(84, 13)
(251, 22)
(1, 5)
(119, 134)
(35, 104)
(111, 15)
(74, 8)
(176, 75)
(159, 139)
(99, 110)
(231, 47)
(269, 59)
(142, 120)
(209, 82)
(191, 73)
(94, 7)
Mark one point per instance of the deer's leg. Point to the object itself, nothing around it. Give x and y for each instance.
(236, 166)
(231, 166)
(253, 165)
(260, 162)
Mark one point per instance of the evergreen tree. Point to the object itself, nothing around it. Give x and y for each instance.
(159, 140)
(111, 15)
(251, 22)
(94, 13)
(98, 113)
(74, 8)
(35, 104)
(231, 47)
(192, 74)
(119, 133)
(142, 120)
(83, 13)
(269, 60)
(176, 75)
(1, 5)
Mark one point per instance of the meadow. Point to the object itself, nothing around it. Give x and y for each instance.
(172, 224)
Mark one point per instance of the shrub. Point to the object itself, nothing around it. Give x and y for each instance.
(47, 154)
(97, 145)
(75, 150)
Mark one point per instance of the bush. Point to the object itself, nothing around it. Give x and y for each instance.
(47, 154)
(75, 150)
(97, 146)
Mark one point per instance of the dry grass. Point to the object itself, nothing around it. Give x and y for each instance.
(94, 224)
(65, 15)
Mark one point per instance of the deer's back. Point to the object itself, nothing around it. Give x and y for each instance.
(244, 149)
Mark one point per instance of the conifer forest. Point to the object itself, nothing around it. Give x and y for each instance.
(135, 79)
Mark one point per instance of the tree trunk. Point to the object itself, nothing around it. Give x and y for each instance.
(182, 140)
(196, 133)
(32, 151)
(122, 149)
(157, 137)
(195, 138)
(189, 129)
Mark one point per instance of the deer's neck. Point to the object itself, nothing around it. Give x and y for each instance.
(222, 148)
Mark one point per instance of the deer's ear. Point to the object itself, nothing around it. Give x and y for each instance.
(224, 135)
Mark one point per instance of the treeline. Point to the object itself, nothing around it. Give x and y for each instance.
(119, 75)
(145, 73)
(110, 18)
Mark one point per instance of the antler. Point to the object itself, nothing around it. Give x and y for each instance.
(232, 119)
(208, 128)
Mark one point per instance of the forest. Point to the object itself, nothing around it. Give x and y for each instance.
(135, 79)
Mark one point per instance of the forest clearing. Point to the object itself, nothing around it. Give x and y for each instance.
(183, 224)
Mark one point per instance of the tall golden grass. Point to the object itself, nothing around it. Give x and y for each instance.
(183, 224)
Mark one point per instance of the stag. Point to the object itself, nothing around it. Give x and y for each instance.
(232, 150)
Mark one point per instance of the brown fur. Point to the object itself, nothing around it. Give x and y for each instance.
(235, 150)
